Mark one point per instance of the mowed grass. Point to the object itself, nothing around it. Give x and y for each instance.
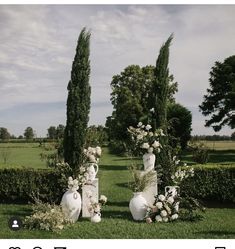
(117, 223)
(21, 155)
(220, 145)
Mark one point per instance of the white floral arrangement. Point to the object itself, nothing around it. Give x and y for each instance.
(145, 139)
(73, 184)
(94, 206)
(181, 173)
(165, 209)
(92, 154)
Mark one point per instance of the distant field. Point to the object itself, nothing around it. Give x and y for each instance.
(21, 155)
(220, 145)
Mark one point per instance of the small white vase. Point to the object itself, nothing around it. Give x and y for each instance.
(92, 172)
(138, 206)
(71, 204)
(149, 161)
(96, 218)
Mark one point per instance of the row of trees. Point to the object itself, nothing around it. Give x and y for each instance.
(5, 135)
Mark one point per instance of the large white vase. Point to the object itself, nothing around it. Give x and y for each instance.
(138, 206)
(149, 161)
(71, 204)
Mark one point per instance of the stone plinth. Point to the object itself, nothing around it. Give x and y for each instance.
(92, 187)
(150, 192)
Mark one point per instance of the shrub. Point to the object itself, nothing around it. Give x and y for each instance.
(18, 185)
(213, 182)
(46, 217)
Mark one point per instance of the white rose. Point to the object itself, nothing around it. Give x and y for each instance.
(139, 137)
(170, 200)
(158, 218)
(161, 197)
(174, 216)
(98, 151)
(103, 198)
(163, 213)
(145, 146)
(151, 110)
(156, 144)
(165, 219)
(92, 158)
(70, 178)
(159, 205)
(148, 127)
(139, 124)
(150, 150)
(150, 134)
(177, 207)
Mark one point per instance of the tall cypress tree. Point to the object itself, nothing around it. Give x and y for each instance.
(161, 86)
(160, 99)
(78, 103)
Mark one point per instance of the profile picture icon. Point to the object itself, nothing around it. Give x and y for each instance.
(15, 223)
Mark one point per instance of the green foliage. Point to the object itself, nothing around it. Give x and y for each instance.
(20, 185)
(78, 102)
(219, 102)
(4, 134)
(180, 121)
(96, 136)
(28, 133)
(216, 183)
(47, 217)
(51, 132)
(55, 132)
(200, 153)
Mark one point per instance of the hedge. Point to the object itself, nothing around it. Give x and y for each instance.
(17, 185)
(211, 182)
(215, 183)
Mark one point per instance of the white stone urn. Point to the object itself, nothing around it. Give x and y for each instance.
(71, 204)
(149, 160)
(96, 218)
(138, 206)
(92, 170)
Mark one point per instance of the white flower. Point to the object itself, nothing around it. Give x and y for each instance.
(161, 197)
(92, 158)
(70, 178)
(150, 134)
(165, 219)
(159, 205)
(174, 216)
(148, 127)
(177, 207)
(103, 199)
(156, 144)
(163, 213)
(145, 146)
(82, 169)
(162, 133)
(170, 200)
(150, 150)
(152, 110)
(139, 124)
(98, 151)
(139, 137)
(158, 218)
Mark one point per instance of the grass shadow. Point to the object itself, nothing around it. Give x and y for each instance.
(123, 185)
(112, 167)
(22, 212)
(216, 204)
(118, 204)
(215, 232)
(124, 215)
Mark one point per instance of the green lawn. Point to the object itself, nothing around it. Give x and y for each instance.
(219, 223)
(21, 155)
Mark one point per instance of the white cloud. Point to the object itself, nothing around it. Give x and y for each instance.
(38, 45)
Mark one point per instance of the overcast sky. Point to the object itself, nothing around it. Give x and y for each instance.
(37, 47)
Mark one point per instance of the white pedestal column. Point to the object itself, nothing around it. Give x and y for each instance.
(150, 192)
(93, 187)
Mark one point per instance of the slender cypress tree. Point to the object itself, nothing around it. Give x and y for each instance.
(160, 100)
(161, 87)
(78, 103)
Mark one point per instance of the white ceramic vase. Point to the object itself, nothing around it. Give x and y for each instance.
(149, 161)
(138, 206)
(96, 218)
(71, 204)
